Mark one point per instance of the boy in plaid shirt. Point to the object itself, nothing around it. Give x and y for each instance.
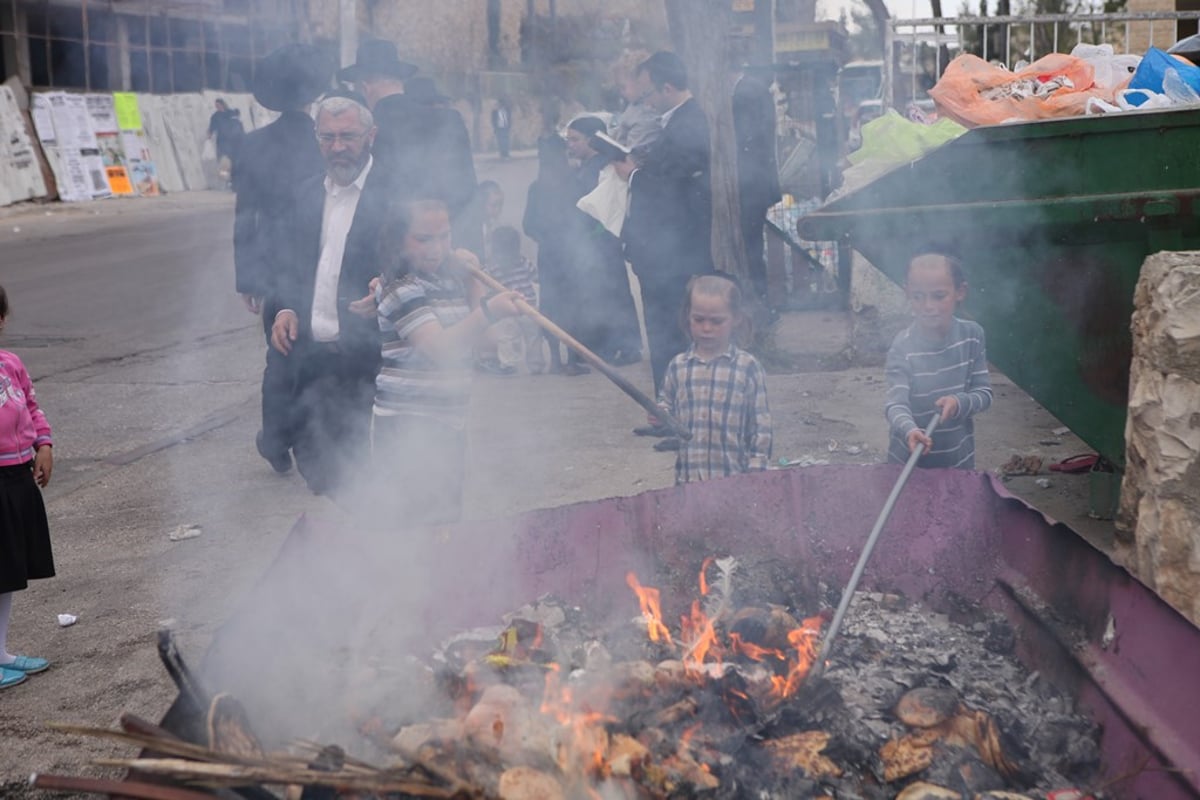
(717, 389)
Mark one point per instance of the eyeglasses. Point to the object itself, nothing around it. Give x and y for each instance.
(344, 138)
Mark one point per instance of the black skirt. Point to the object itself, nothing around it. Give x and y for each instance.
(25, 553)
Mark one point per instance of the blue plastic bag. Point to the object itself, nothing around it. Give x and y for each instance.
(1154, 66)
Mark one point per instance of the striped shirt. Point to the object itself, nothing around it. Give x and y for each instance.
(516, 275)
(919, 372)
(410, 381)
(723, 402)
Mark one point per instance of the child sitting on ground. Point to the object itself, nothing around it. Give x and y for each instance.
(716, 389)
(936, 365)
(516, 337)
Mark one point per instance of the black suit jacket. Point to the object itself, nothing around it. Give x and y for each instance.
(669, 230)
(426, 151)
(754, 132)
(275, 160)
(358, 338)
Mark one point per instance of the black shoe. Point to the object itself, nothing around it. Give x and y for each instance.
(653, 430)
(573, 368)
(281, 463)
(666, 445)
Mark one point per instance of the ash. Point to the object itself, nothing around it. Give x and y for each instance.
(889, 647)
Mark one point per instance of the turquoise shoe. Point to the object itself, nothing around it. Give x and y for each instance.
(11, 677)
(27, 664)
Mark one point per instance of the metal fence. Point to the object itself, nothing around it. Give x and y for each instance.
(917, 50)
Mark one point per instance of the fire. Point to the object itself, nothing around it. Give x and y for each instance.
(700, 637)
(701, 642)
(583, 747)
(648, 598)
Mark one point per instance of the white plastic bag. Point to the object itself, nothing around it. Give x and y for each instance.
(1153, 100)
(1110, 70)
(208, 151)
(608, 201)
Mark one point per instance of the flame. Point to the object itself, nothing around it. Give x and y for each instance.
(583, 748)
(804, 641)
(648, 599)
(701, 642)
(752, 651)
(703, 580)
(700, 637)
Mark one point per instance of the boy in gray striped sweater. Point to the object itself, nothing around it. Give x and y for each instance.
(937, 365)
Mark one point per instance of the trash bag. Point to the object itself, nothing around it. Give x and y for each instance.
(1111, 71)
(1153, 68)
(974, 92)
(892, 139)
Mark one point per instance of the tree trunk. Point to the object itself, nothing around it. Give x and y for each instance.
(700, 35)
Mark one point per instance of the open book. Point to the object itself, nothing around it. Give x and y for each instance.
(607, 146)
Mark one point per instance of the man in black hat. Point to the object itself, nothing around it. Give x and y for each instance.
(426, 152)
(274, 160)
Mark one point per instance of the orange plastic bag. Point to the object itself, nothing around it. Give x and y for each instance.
(973, 92)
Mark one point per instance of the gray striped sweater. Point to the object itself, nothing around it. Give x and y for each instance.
(919, 371)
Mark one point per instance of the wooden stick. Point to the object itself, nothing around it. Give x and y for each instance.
(238, 774)
(678, 428)
(134, 789)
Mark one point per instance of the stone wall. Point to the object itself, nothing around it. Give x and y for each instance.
(1158, 526)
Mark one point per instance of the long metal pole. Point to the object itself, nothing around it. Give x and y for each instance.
(836, 625)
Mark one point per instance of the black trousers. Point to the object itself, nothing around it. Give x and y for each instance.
(753, 222)
(331, 415)
(278, 400)
(662, 300)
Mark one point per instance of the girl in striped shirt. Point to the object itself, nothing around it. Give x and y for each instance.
(431, 313)
(937, 365)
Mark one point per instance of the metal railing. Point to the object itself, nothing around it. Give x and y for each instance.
(909, 43)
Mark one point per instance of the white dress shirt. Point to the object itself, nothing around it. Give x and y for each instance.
(340, 204)
(666, 117)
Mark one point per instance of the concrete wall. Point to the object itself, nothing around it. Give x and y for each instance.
(175, 127)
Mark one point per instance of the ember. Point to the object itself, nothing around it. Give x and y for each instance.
(719, 706)
(722, 705)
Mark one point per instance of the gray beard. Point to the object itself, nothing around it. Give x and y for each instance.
(345, 175)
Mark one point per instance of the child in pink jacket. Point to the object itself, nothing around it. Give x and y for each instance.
(26, 462)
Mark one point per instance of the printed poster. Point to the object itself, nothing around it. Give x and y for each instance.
(102, 112)
(125, 105)
(142, 173)
(115, 166)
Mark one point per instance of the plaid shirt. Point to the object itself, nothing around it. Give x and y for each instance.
(723, 402)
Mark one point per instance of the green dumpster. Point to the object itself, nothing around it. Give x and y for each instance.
(1052, 221)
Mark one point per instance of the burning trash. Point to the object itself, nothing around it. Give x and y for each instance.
(718, 702)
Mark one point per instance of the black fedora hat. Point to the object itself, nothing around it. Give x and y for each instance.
(377, 57)
(424, 91)
(292, 76)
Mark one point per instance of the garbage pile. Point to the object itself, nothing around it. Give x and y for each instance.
(1092, 79)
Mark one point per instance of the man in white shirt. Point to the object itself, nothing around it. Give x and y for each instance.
(333, 256)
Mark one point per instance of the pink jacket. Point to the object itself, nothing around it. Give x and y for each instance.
(23, 426)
